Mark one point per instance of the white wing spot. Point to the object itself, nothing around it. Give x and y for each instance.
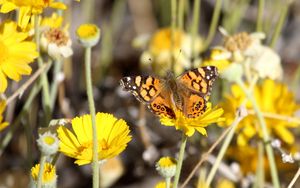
(133, 87)
(208, 68)
(128, 78)
(207, 77)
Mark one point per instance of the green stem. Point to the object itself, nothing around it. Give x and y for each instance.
(44, 80)
(213, 25)
(41, 171)
(279, 25)
(54, 85)
(195, 26)
(168, 182)
(223, 150)
(181, 7)
(260, 167)
(173, 29)
(93, 115)
(266, 136)
(180, 160)
(34, 91)
(260, 15)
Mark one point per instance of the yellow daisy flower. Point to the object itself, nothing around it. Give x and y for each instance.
(3, 125)
(112, 136)
(189, 125)
(49, 175)
(272, 98)
(28, 8)
(16, 54)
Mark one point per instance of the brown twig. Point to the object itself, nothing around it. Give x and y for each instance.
(27, 83)
(204, 156)
(294, 178)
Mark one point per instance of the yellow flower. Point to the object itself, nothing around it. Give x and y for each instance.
(225, 183)
(166, 167)
(189, 125)
(112, 136)
(28, 7)
(16, 54)
(161, 184)
(55, 21)
(88, 34)
(49, 174)
(3, 125)
(247, 158)
(272, 97)
(160, 51)
(219, 58)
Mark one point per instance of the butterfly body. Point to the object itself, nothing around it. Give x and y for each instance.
(187, 93)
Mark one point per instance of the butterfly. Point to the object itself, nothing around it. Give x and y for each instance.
(188, 92)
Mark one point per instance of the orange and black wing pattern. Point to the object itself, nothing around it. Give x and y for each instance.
(148, 90)
(199, 81)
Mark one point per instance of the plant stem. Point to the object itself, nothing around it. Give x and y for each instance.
(181, 7)
(195, 26)
(266, 136)
(223, 150)
(34, 91)
(41, 171)
(260, 15)
(168, 182)
(56, 82)
(93, 115)
(44, 80)
(213, 25)
(294, 179)
(173, 30)
(180, 160)
(280, 23)
(260, 167)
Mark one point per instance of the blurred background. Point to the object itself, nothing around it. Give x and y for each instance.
(125, 26)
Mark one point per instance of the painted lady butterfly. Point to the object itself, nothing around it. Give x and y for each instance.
(188, 93)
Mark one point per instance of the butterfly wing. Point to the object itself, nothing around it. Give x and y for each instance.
(199, 82)
(150, 91)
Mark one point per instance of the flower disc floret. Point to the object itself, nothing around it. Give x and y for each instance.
(48, 143)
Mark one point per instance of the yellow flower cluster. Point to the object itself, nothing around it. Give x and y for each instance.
(28, 7)
(273, 99)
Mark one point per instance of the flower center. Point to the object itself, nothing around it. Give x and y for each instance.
(57, 36)
(240, 41)
(3, 52)
(49, 140)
